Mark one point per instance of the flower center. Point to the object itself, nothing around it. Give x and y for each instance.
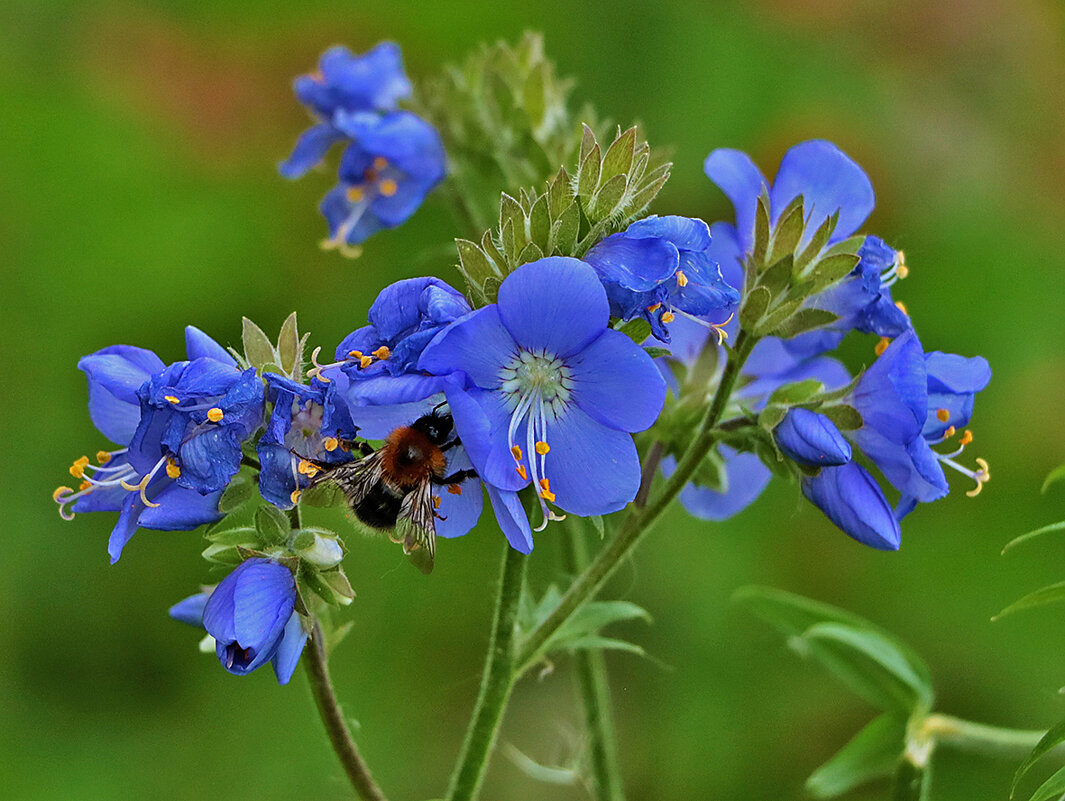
(537, 373)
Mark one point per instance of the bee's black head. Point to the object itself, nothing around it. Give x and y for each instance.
(436, 425)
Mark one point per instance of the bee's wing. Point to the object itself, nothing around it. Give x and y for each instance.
(355, 479)
(416, 526)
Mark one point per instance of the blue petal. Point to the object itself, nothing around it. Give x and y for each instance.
(180, 509)
(812, 439)
(726, 251)
(459, 512)
(950, 373)
(892, 395)
(481, 421)
(829, 180)
(277, 481)
(126, 526)
(115, 374)
(374, 79)
(593, 469)
(687, 233)
(205, 378)
(741, 181)
(617, 383)
(510, 515)
(637, 264)
(408, 142)
(190, 610)
(209, 460)
(478, 344)
(852, 500)
(199, 345)
(556, 303)
(402, 306)
(289, 649)
(377, 422)
(387, 390)
(745, 475)
(310, 149)
(263, 598)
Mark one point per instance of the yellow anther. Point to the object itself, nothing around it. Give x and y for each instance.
(545, 490)
(78, 468)
(330, 443)
(515, 451)
(901, 307)
(950, 432)
(668, 317)
(355, 194)
(942, 415)
(307, 468)
(983, 475)
(388, 187)
(60, 491)
(436, 501)
(295, 496)
(172, 468)
(966, 438)
(902, 270)
(382, 352)
(84, 485)
(103, 457)
(214, 414)
(454, 489)
(542, 448)
(682, 279)
(365, 361)
(354, 354)
(881, 346)
(655, 307)
(380, 163)
(521, 472)
(171, 399)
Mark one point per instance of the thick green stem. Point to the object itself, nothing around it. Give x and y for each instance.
(979, 738)
(496, 683)
(640, 521)
(594, 686)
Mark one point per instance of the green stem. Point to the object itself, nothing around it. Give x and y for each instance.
(640, 521)
(594, 686)
(980, 738)
(496, 683)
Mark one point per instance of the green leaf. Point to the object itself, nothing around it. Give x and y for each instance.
(607, 198)
(587, 142)
(1031, 535)
(754, 307)
(873, 753)
(911, 782)
(1057, 474)
(869, 664)
(637, 330)
(222, 554)
(829, 270)
(244, 535)
(761, 230)
(560, 194)
(314, 580)
(778, 315)
(1052, 788)
(474, 264)
(288, 345)
(797, 392)
(540, 223)
(238, 493)
(817, 243)
(789, 229)
(339, 584)
(568, 226)
(272, 523)
(846, 418)
(777, 277)
(772, 416)
(1055, 593)
(509, 239)
(656, 353)
(618, 158)
(1051, 740)
(258, 349)
(530, 253)
(581, 630)
(588, 176)
(649, 189)
(510, 210)
(594, 642)
(804, 320)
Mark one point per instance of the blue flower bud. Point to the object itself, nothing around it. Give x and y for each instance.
(812, 439)
(852, 499)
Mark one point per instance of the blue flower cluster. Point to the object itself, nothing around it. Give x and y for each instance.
(392, 159)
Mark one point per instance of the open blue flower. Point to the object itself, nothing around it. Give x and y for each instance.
(373, 81)
(661, 266)
(252, 618)
(181, 426)
(392, 163)
(550, 395)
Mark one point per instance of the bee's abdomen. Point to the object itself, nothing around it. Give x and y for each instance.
(380, 508)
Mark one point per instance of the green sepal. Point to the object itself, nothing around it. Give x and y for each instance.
(657, 353)
(608, 198)
(845, 418)
(777, 316)
(761, 233)
(778, 276)
(223, 554)
(288, 346)
(588, 175)
(258, 350)
(272, 524)
(788, 230)
(637, 330)
(239, 492)
(244, 535)
(797, 392)
(754, 308)
(817, 243)
(873, 753)
(802, 321)
(618, 158)
(831, 269)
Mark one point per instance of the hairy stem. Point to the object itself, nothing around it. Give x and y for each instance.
(640, 521)
(594, 686)
(979, 738)
(496, 683)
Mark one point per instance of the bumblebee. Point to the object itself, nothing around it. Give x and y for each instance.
(391, 488)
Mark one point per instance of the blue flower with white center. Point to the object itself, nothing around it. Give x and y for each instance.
(392, 163)
(182, 427)
(373, 81)
(810, 438)
(549, 395)
(308, 425)
(659, 267)
(251, 615)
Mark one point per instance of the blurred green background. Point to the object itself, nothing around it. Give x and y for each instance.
(138, 193)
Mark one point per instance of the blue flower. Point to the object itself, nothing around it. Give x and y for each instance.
(182, 426)
(850, 497)
(811, 439)
(385, 173)
(863, 299)
(374, 81)
(745, 479)
(308, 424)
(548, 393)
(251, 616)
(660, 266)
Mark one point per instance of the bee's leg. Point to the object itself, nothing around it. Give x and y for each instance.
(451, 444)
(455, 478)
(361, 446)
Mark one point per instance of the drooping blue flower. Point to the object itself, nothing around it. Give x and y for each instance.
(181, 426)
(863, 299)
(548, 393)
(745, 478)
(373, 81)
(850, 497)
(810, 438)
(392, 163)
(251, 616)
(661, 266)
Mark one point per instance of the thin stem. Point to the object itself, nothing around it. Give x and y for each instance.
(496, 683)
(593, 684)
(650, 468)
(640, 521)
(316, 663)
(980, 738)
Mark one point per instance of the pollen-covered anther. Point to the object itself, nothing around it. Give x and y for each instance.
(103, 457)
(172, 468)
(515, 451)
(522, 472)
(454, 489)
(355, 354)
(654, 307)
(330, 443)
(901, 307)
(316, 371)
(295, 496)
(950, 432)
(719, 329)
(78, 468)
(942, 415)
(380, 163)
(545, 490)
(881, 346)
(682, 279)
(901, 270)
(172, 399)
(966, 438)
(307, 468)
(84, 485)
(388, 187)
(542, 448)
(355, 194)
(365, 361)
(382, 353)
(668, 317)
(214, 414)
(60, 492)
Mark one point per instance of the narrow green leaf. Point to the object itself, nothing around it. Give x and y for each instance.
(1055, 593)
(788, 230)
(258, 349)
(338, 583)
(817, 242)
(593, 616)
(607, 198)
(238, 493)
(649, 190)
(618, 158)
(288, 343)
(272, 523)
(222, 554)
(754, 306)
(235, 536)
(560, 194)
(778, 315)
(510, 209)
(568, 226)
(531, 252)
(314, 581)
(1031, 535)
(873, 753)
(588, 176)
(493, 253)
(637, 330)
(587, 143)
(594, 642)
(1057, 474)
(508, 236)
(533, 95)
(761, 230)
(778, 276)
(1051, 740)
(802, 321)
(1052, 788)
(797, 392)
(829, 270)
(656, 353)
(540, 224)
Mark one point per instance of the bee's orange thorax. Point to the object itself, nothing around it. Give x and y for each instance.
(409, 457)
